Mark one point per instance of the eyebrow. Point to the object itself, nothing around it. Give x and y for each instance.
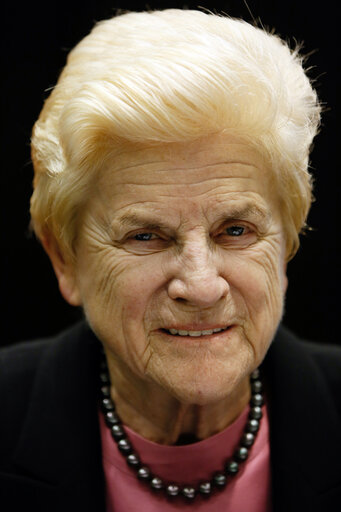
(132, 220)
(245, 212)
(144, 221)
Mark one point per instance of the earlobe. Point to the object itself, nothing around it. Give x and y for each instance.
(64, 270)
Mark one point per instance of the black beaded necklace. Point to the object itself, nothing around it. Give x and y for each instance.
(171, 489)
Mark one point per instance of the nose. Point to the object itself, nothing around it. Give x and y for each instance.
(197, 280)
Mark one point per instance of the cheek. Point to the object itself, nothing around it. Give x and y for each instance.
(117, 287)
(116, 296)
(135, 285)
(259, 278)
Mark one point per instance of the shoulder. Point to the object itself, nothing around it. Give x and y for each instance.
(303, 390)
(18, 366)
(21, 359)
(23, 363)
(35, 373)
(325, 355)
(19, 362)
(307, 363)
(327, 358)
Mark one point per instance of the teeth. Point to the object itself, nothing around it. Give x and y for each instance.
(196, 333)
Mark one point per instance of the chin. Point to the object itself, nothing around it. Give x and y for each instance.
(204, 393)
(206, 380)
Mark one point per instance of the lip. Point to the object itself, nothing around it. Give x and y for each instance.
(216, 340)
(197, 327)
(196, 339)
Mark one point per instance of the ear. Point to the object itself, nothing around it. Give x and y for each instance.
(64, 270)
(285, 277)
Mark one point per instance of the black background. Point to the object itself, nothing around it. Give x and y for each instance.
(36, 39)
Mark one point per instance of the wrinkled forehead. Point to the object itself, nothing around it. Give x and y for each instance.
(214, 175)
(184, 165)
(222, 154)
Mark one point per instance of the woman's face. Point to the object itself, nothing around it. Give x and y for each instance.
(177, 242)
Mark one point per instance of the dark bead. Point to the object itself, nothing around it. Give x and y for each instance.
(107, 404)
(104, 378)
(242, 453)
(257, 399)
(156, 483)
(205, 488)
(188, 492)
(252, 426)
(232, 467)
(219, 480)
(255, 374)
(111, 418)
(172, 490)
(133, 460)
(124, 446)
(248, 439)
(144, 473)
(256, 386)
(105, 391)
(255, 413)
(117, 432)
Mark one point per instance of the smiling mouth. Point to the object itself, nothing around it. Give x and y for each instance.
(196, 334)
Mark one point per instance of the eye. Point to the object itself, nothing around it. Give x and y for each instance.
(235, 230)
(145, 242)
(236, 236)
(144, 237)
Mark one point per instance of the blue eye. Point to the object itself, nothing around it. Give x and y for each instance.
(144, 237)
(235, 230)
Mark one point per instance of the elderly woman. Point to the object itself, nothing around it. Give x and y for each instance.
(170, 188)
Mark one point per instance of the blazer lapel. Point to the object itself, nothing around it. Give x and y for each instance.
(59, 450)
(304, 429)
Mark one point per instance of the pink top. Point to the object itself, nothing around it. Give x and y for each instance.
(248, 490)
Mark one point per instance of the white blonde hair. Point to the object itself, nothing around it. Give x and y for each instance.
(171, 76)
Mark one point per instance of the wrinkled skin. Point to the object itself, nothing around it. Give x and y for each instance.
(185, 236)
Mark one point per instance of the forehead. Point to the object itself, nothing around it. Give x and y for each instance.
(204, 173)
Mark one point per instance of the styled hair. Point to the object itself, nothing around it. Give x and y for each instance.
(172, 76)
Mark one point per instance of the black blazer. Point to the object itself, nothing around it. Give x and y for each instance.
(50, 453)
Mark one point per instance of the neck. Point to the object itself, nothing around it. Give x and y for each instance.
(159, 417)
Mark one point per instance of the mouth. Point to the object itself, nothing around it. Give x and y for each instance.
(196, 333)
